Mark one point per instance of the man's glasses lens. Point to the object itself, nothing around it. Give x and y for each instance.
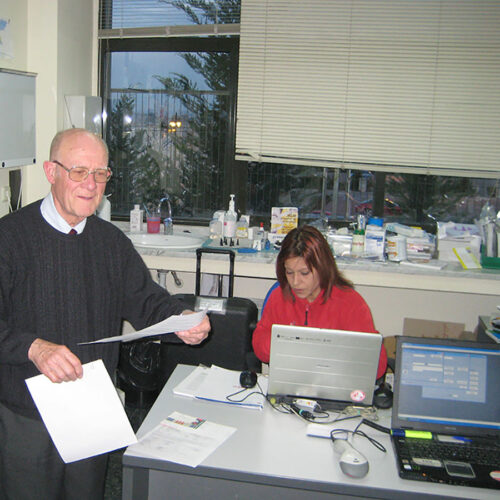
(79, 174)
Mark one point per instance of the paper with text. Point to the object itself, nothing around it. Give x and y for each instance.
(177, 323)
(182, 439)
(85, 417)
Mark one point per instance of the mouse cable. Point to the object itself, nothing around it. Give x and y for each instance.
(378, 427)
(357, 432)
(228, 397)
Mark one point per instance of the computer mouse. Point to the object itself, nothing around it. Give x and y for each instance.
(248, 379)
(352, 462)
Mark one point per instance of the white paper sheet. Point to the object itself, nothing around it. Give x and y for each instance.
(215, 383)
(84, 418)
(182, 439)
(177, 323)
(191, 384)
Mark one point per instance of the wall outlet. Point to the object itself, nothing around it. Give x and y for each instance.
(5, 194)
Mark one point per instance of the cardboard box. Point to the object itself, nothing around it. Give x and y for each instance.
(428, 328)
(390, 346)
(413, 327)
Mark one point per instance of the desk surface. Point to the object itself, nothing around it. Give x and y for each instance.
(271, 452)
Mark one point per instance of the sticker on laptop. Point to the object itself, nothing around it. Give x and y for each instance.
(495, 474)
(358, 395)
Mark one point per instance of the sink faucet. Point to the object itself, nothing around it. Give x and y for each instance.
(168, 223)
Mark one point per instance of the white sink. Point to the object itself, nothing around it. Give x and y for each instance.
(160, 240)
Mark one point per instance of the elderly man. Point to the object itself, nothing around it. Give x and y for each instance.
(66, 277)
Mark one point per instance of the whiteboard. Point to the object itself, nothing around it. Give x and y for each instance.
(17, 118)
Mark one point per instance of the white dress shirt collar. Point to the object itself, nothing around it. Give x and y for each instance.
(54, 218)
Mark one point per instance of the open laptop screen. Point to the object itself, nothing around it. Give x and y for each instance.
(447, 386)
(330, 366)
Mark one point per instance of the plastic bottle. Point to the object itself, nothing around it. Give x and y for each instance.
(230, 219)
(136, 216)
(358, 242)
(261, 233)
(242, 227)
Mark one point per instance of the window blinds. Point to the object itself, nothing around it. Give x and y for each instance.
(167, 18)
(401, 86)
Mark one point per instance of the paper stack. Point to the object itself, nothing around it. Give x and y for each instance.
(222, 386)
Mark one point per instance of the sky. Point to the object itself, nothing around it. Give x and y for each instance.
(138, 69)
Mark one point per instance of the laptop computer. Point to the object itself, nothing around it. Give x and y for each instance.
(446, 411)
(333, 367)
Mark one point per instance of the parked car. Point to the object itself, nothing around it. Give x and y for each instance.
(390, 207)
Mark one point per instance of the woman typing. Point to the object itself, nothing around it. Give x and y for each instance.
(312, 292)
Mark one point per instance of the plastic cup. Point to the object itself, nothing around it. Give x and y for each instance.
(153, 224)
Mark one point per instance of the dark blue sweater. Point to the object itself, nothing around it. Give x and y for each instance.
(68, 289)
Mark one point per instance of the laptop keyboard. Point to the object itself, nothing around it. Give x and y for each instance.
(483, 454)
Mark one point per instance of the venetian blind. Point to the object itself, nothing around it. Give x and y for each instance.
(403, 86)
(165, 18)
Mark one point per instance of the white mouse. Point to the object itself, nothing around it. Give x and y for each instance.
(352, 462)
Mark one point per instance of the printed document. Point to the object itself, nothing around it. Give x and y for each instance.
(84, 417)
(177, 323)
(182, 439)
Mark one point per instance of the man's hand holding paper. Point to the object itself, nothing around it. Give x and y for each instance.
(197, 334)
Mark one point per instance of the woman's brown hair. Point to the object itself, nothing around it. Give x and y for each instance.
(307, 242)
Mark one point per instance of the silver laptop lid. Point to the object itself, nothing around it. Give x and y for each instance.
(317, 363)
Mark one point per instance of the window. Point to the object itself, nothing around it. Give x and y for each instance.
(169, 108)
(164, 62)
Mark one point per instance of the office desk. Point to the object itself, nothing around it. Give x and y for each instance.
(269, 456)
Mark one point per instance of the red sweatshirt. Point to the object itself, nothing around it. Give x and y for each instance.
(344, 310)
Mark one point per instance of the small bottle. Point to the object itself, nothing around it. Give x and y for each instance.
(229, 230)
(136, 220)
(242, 227)
(215, 229)
(358, 242)
(262, 235)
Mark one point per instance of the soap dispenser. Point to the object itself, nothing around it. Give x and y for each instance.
(230, 219)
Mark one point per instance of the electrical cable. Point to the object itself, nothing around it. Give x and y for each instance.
(246, 396)
(357, 432)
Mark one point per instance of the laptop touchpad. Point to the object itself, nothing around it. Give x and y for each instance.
(459, 469)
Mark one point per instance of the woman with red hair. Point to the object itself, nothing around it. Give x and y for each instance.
(312, 292)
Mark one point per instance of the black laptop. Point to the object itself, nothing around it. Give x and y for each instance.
(446, 411)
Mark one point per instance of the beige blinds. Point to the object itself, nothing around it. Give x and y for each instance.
(167, 18)
(405, 86)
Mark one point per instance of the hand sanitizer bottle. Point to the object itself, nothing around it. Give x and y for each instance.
(230, 220)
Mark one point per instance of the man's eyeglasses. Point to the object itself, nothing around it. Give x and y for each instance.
(79, 174)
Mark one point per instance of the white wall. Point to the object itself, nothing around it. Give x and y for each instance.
(55, 39)
(16, 12)
(389, 306)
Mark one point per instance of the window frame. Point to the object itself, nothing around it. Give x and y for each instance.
(235, 173)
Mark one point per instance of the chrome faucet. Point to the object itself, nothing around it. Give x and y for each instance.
(168, 223)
